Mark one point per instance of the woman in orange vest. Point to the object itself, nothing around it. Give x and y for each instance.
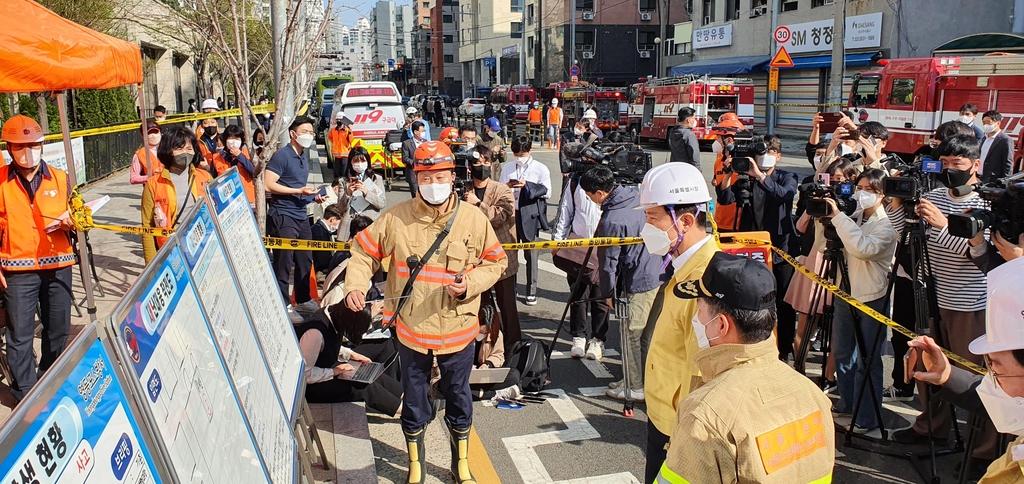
(235, 155)
(177, 187)
(144, 166)
(340, 139)
(726, 129)
(35, 253)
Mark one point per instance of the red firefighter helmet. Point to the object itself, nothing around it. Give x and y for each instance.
(728, 127)
(433, 155)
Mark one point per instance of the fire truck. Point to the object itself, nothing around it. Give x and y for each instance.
(911, 97)
(654, 104)
(521, 96)
(605, 102)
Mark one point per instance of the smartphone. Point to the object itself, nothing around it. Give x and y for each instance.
(830, 123)
(909, 364)
(852, 135)
(824, 178)
(323, 191)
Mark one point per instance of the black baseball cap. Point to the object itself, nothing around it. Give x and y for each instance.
(739, 282)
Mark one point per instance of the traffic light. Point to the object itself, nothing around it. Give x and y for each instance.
(378, 66)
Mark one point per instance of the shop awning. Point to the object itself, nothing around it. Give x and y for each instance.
(982, 44)
(724, 65)
(825, 61)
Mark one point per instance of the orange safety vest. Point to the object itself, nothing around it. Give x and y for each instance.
(222, 166)
(534, 116)
(150, 167)
(555, 116)
(725, 215)
(165, 197)
(24, 244)
(206, 151)
(341, 141)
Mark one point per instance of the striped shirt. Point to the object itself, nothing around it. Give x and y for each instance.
(960, 285)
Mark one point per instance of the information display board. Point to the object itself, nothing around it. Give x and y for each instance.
(78, 425)
(229, 320)
(180, 377)
(259, 286)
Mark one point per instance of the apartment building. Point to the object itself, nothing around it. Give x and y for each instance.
(391, 36)
(485, 28)
(445, 69)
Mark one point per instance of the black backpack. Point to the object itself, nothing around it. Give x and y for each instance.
(529, 356)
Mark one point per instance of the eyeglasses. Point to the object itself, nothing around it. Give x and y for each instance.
(995, 378)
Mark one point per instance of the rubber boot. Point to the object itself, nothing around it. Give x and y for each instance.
(460, 455)
(417, 456)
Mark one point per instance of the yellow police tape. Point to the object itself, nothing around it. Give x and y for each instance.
(832, 288)
(258, 109)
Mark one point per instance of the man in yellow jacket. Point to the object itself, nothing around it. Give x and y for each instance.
(755, 419)
(675, 199)
(440, 317)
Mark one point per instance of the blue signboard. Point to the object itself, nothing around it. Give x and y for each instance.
(489, 62)
(391, 63)
(85, 432)
(574, 71)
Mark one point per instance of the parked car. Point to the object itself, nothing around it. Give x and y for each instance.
(405, 100)
(473, 106)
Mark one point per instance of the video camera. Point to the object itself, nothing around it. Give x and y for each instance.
(1006, 197)
(914, 180)
(628, 162)
(816, 194)
(744, 150)
(463, 159)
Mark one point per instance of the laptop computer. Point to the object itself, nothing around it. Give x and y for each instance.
(487, 375)
(364, 372)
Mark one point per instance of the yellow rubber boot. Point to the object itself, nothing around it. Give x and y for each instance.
(460, 455)
(417, 456)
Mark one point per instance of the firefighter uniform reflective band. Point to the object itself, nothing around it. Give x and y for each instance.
(26, 246)
(667, 476)
(859, 305)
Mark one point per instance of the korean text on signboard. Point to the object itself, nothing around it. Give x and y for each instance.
(862, 31)
(720, 36)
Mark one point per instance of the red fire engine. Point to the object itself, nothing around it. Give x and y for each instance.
(911, 97)
(654, 104)
(521, 96)
(605, 102)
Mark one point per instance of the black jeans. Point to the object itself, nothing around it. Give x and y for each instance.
(454, 385)
(787, 315)
(656, 453)
(340, 167)
(579, 325)
(285, 260)
(49, 292)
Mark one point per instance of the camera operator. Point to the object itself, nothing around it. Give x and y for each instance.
(988, 255)
(578, 217)
(770, 210)
(629, 272)
(468, 132)
(998, 392)
(960, 285)
(681, 140)
(498, 203)
(869, 243)
(726, 130)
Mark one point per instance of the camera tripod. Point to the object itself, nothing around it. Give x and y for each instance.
(832, 259)
(744, 198)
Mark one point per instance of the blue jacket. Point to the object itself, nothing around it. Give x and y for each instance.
(636, 270)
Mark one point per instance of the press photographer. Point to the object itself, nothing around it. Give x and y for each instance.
(765, 202)
(1004, 222)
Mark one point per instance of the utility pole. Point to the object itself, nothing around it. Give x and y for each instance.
(538, 56)
(285, 100)
(835, 88)
(522, 43)
(572, 34)
(663, 23)
(770, 109)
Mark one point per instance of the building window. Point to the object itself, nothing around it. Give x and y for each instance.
(708, 11)
(529, 46)
(683, 48)
(517, 6)
(398, 18)
(426, 20)
(400, 42)
(529, 14)
(585, 5)
(447, 18)
(758, 8)
(822, 3)
(448, 59)
(732, 10)
(648, 5)
(644, 40)
(902, 92)
(449, 39)
(789, 6)
(400, 53)
(517, 30)
(585, 40)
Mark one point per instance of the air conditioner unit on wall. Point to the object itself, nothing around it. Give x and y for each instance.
(588, 15)
(588, 55)
(758, 11)
(645, 54)
(645, 16)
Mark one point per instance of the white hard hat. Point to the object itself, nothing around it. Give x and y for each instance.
(1003, 328)
(210, 104)
(536, 104)
(554, 102)
(411, 110)
(673, 184)
(340, 115)
(590, 114)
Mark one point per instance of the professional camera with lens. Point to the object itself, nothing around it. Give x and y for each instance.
(816, 194)
(914, 181)
(744, 151)
(1006, 198)
(626, 160)
(463, 159)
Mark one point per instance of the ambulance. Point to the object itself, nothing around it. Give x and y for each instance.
(375, 108)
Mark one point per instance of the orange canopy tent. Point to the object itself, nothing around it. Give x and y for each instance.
(43, 51)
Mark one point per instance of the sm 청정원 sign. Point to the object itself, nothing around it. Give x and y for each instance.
(862, 31)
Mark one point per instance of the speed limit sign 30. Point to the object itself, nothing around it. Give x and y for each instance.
(782, 34)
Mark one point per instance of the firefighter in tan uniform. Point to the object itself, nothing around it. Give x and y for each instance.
(755, 419)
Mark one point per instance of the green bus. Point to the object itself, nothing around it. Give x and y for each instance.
(329, 84)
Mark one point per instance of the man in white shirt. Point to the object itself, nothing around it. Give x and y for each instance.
(530, 182)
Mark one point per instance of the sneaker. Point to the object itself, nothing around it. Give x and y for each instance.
(871, 433)
(620, 394)
(579, 347)
(531, 300)
(830, 387)
(893, 394)
(308, 307)
(595, 350)
(510, 393)
(295, 317)
(615, 384)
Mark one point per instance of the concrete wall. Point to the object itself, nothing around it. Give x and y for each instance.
(490, 29)
(931, 23)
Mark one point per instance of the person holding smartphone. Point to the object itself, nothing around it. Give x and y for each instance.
(360, 191)
(530, 181)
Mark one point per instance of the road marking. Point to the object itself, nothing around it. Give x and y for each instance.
(524, 455)
(593, 391)
(596, 367)
(479, 462)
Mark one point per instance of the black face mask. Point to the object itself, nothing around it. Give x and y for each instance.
(210, 131)
(481, 172)
(954, 178)
(181, 160)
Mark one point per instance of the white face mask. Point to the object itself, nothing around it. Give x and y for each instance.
(481, 337)
(235, 144)
(817, 161)
(988, 128)
(845, 149)
(436, 193)
(154, 139)
(522, 160)
(470, 145)
(865, 200)
(1006, 412)
(966, 119)
(359, 168)
(579, 132)
(767, 162)
(305, 140)
(700, 330)
(656, 240)
(29, 158)
(717, 147)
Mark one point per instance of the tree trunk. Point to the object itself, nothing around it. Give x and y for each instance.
(44, 119)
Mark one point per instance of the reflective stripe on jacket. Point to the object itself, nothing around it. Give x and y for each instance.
(430, 319)
(24, 244)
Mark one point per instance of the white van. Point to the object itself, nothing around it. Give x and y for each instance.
(375, 108)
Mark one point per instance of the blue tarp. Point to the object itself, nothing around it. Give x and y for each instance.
(820, 61)
(724, 65)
